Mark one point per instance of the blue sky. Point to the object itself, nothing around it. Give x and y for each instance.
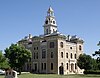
(18, 18)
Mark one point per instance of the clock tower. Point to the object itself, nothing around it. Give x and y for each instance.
(50, 25)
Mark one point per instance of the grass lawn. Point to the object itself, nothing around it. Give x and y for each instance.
(54, 76)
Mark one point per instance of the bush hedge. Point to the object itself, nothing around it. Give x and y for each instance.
(92, 72)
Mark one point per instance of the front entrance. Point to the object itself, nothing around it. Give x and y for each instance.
(72, 67)
(35, 68)
(61, 70)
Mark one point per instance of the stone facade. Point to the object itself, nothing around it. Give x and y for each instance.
(54, 52)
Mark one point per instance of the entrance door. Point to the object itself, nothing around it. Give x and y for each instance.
(61, 70)
(35, 67)
(72, 67)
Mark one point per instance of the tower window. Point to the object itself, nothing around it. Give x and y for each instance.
(61, 44)
(46, 31)
(53, 30)
(51, 44)
(61, 54)
(46, 22)
(53, 22)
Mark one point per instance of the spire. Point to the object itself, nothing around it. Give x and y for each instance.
(50, 12)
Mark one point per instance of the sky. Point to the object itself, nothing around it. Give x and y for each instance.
(18, 18)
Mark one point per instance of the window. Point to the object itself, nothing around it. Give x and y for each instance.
(75, 66)
(70, 47)
(51, 54)
(61, 44)
(71, 56)
(67, 66)
(80, 48)
(75, 56)
(37, 48)
(46, 22)
(41, 66)
(66, 55)
(34, 48)
(51, 44)
(61, 64)
(44, 66)
(53, 22)
(53, 30)
(61, 54)
(43, 53)
(37, 55)
(46, 31)
(34, 55)
(51, 66)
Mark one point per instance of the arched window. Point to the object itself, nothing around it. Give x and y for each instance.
(61, 54)
(51, 66)
(75, 56)
(71, 56)
(46, 22)
(53, 30)
(66, 55)
(75, 66)
(67, 66)
(53, 22)
(51, 54)
(37, 55)
(46, 31)
(34, 55)
(51, 44)
(80, 47)
(70, 47)
(61, 44)
(43, 53)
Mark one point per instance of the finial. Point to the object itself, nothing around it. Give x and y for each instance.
(50, 11)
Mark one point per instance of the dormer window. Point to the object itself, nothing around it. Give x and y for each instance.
(46, 22)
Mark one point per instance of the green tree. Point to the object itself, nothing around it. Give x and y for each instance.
(85, 62)
(97, 54)
(3, 61)
(18, 56)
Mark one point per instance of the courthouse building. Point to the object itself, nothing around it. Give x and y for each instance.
(53, 52)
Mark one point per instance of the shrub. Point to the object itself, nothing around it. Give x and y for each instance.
(92, 72)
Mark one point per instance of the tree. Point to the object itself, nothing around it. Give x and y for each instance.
(85, 62)
(97, 54)
(18, 56)
(3, 61)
